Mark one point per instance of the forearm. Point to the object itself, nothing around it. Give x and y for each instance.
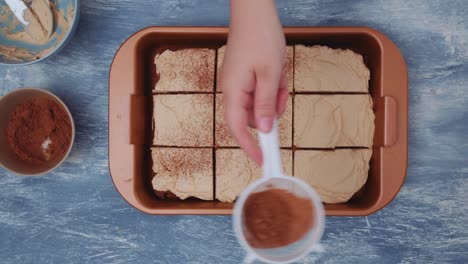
(252, 74)
(253, 14)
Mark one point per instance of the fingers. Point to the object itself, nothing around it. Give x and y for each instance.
(237, 118)
(251, 119)
(266, 92)
(238, 105)
(282, 101)
(283, 92)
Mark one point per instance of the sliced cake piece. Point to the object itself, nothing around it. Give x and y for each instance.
(336, 175)
(184, 172)
(322, 69)
(186, 70)
(223, 136)
(219, 63)
(235, 170)
(184, 120)
(329, 121)
(289, 67)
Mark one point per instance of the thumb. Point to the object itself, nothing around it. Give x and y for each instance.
(265, 101)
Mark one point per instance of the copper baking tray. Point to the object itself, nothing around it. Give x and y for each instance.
(130, 114)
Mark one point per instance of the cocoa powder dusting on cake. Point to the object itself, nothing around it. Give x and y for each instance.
(183, 120)
(223, 134)
(206, 73)
(204, 101)
(182, 162)
(201, 72)
(182, 172)
(185, 70)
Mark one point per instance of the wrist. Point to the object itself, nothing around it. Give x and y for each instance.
(254, 13)
(253, 7)
(251, 1)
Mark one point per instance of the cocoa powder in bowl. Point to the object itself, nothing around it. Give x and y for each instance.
(276, 218)
(39, 131)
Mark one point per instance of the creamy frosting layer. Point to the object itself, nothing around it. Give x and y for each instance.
(219, 63)
(185, 172)
(184, 120)
(186, 70)
(336, 175)
(290, 67)
(329, 121)
(235, 170)
(39, 20)
(322, 69)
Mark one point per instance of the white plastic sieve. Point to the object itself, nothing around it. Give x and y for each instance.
(273, 178)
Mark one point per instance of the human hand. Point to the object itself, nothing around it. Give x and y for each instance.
(253, 79)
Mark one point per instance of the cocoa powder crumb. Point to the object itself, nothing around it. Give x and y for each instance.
(276, 218)
(39, 130)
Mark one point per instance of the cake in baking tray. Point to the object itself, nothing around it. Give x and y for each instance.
(336, 175)
(323, 69)
(185, 172)
(183, 120)
(326, 133)
(329, 121)
(186, 70)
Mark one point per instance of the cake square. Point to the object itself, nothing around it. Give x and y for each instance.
(186, 70)
(224, 138)
(184, 120)
(219, 63)
(289, 67)
(335, 175)
(185, 172)
(235, 170)
(323, 69)
(329, 121)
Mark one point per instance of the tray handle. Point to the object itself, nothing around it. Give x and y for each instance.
(121, 107)
(392, 141)
(386, 122)
(137, 126)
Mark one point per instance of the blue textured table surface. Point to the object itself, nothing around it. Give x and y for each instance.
(75, 215)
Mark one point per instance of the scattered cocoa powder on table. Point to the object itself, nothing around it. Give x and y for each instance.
(276, 218)
(39, 130)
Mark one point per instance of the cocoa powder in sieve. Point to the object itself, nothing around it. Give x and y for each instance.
(276, 218)
(39, 130)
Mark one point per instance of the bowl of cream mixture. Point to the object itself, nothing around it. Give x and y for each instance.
(42, 37)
